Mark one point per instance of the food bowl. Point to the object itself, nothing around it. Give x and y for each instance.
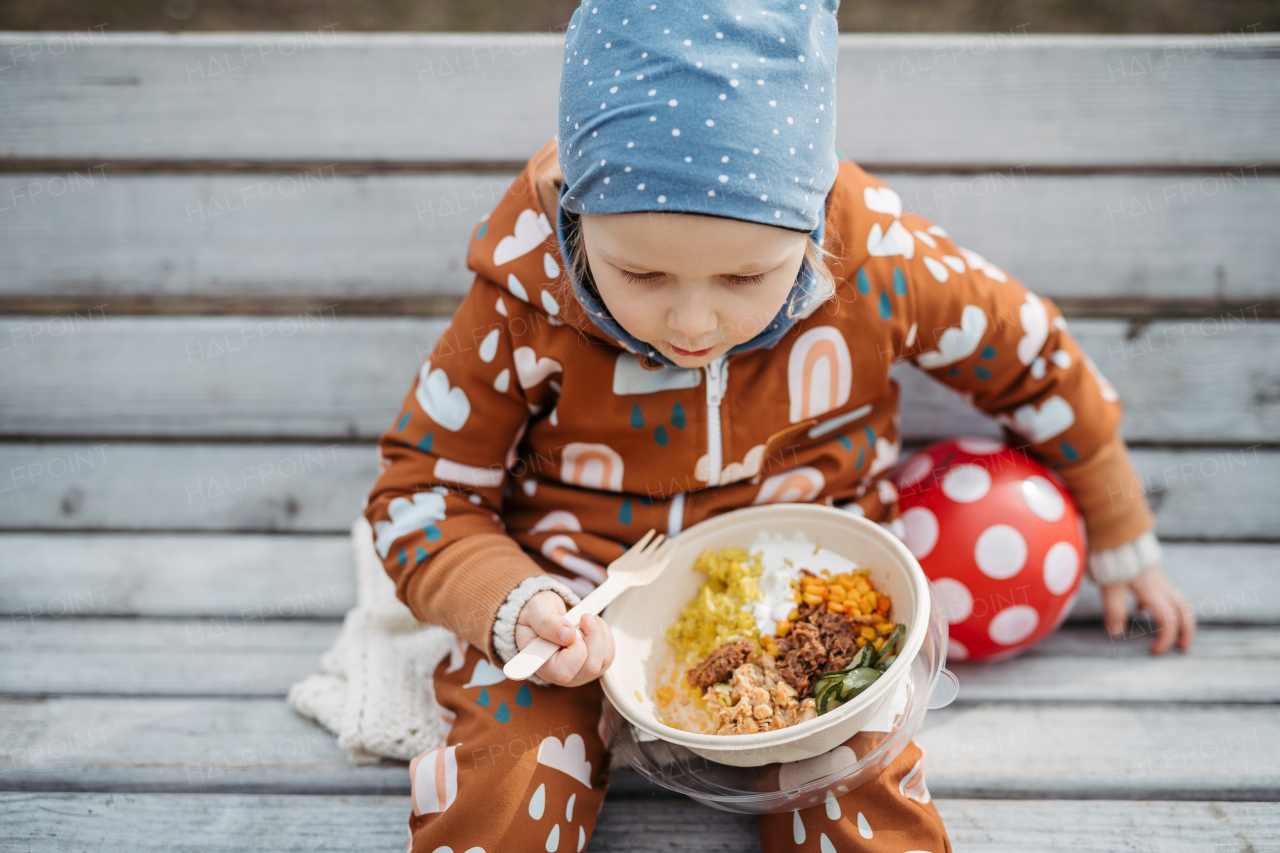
(640, 618)
(779, 788)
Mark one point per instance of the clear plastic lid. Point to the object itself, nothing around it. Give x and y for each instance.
(775, 788)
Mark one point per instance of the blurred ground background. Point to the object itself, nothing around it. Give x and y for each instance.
(1029, 16)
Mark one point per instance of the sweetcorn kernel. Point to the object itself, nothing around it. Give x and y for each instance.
(868, 633)
(784, 627)
(835, 607)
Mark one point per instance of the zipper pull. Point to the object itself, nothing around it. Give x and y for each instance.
(713, 381)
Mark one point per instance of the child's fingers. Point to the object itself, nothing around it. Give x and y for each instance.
(599, 640)
(546, 617)
(1165, 612)
(1188, 632)
(1115, 608)
(563, 666)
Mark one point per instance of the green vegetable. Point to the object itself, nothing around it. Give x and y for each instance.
(887, 648)
(857, 681)
(832, 689)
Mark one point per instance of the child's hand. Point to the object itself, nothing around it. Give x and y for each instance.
(1156, 594)
(584, 654)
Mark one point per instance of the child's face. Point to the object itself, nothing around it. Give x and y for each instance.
(691, 286)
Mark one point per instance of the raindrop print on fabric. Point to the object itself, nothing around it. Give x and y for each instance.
(637, 417)
(677, 416)
(524, 696)
(624, 511)
(899, 282)
(503, 714)
(404, 421)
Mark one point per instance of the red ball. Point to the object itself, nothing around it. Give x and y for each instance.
(1000, 537)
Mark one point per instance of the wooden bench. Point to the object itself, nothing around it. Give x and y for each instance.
(223, 256)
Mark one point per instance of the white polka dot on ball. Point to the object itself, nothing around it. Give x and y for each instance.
(966, 483)
(1061, 567)
(957, 650)
(979, 446)
(1013, 624)
(1042, 498)
(916, 469)
(957, 601)
(922, 531)
(1000, 552)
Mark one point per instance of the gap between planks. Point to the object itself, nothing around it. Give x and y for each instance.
(43, 823)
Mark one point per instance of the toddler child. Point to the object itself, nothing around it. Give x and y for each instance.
(688, 303)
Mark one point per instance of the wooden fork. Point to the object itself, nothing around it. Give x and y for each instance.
(640, 565)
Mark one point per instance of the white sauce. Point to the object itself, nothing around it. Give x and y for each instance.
(783, 559)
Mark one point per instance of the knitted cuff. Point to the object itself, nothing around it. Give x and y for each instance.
(504, 627)
(1124, 563)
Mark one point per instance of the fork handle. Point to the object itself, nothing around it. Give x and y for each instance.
(539, 651)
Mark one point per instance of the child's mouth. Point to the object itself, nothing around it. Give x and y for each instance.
(690, 352)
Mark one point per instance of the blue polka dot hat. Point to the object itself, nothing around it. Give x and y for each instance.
(724, 109)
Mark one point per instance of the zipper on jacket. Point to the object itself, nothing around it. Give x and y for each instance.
(715, 392)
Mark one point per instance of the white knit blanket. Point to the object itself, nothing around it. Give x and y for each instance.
(376, 692)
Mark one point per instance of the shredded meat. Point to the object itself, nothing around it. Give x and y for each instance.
(839, 635)
(804, 656)
(820, 641)
(720, 663)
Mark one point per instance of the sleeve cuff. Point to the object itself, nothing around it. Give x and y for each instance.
(1125, 562)
(504, 627)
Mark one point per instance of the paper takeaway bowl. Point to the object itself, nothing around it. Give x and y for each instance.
(640, 618)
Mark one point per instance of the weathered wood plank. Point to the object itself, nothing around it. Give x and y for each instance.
(246, 656)
(1226, 583)
(258, 487)
(108, 574)
(51, 575)
(175, 575)
(211, 745)
(322, 376)
(1209, 493)
(241, 655)
(1133, 100)
(99, 236)
(1079, 664)
(1086, 751)
(37, 823)
(219, 745)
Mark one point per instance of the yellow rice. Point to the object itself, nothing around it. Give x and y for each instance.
(719, 613)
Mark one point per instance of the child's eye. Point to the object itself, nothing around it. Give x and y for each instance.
(746, 279)
(638, 278)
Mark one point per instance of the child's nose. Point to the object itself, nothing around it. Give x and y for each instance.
(696, 323)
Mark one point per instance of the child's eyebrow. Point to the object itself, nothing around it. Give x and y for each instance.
(746, 269)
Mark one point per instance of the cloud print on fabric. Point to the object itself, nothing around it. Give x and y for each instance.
(406, 517)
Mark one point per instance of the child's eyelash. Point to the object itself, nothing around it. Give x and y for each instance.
(736, 279)
(637, 279)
